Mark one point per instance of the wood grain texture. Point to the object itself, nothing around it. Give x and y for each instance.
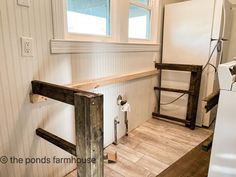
(114, 79)
(110, 173)
(89, 134)
(59, 142)
(57, 92)
(154, 147)
(178, 67)
(195, 86)
(129, 169)
(125, 152)
(36, 98)
(173, 90)
(193, 92)
(162, 116)
(211, 101)
(194, 164)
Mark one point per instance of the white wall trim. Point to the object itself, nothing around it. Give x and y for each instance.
(76, 47)
(59, 18)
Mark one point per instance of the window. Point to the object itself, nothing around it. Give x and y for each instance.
(88, 17)
(122, 21)
(139, 22)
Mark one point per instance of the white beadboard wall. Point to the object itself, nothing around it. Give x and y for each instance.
(139, 93)
(19, 118)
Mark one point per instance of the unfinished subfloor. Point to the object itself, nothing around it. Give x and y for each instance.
(151, 148)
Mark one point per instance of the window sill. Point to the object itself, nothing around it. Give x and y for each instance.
(79, 47)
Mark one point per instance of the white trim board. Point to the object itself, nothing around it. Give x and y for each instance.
(78, 47)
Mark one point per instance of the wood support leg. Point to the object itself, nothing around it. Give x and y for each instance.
(195, 83)
(89, 134)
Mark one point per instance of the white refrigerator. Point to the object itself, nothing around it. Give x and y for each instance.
(189, 28)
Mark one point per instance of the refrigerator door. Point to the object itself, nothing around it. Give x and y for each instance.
(187, 31)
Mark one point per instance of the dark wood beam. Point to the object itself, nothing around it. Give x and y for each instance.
(159, 116)
(193, 92)
(57, 141)
(195, 85)
(173, 90)
(56, 92)
(178, 67)
(89, 126)
(193, 164)
(206, 146)
(89, 134)
(211, 101)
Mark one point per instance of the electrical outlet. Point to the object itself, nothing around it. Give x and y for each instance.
(25, 3)
(26, 47)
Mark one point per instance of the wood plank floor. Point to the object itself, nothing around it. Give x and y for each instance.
(152, 148)
(194, 164)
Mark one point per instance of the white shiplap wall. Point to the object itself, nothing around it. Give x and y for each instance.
(19, 118)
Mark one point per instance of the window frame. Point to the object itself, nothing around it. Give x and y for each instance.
(146, 7)
(118, 23)
(152, 6)
(86, 37)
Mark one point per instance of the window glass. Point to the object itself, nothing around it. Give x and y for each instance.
(139, 22)
(88, 16)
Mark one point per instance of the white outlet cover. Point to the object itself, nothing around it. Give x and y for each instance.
(26, 47)
(25, 3)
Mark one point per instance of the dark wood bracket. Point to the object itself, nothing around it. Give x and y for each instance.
(211, 101)
(58, 92)
(57, 141)
(193, 92)
(173, 90)
(89, 125)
